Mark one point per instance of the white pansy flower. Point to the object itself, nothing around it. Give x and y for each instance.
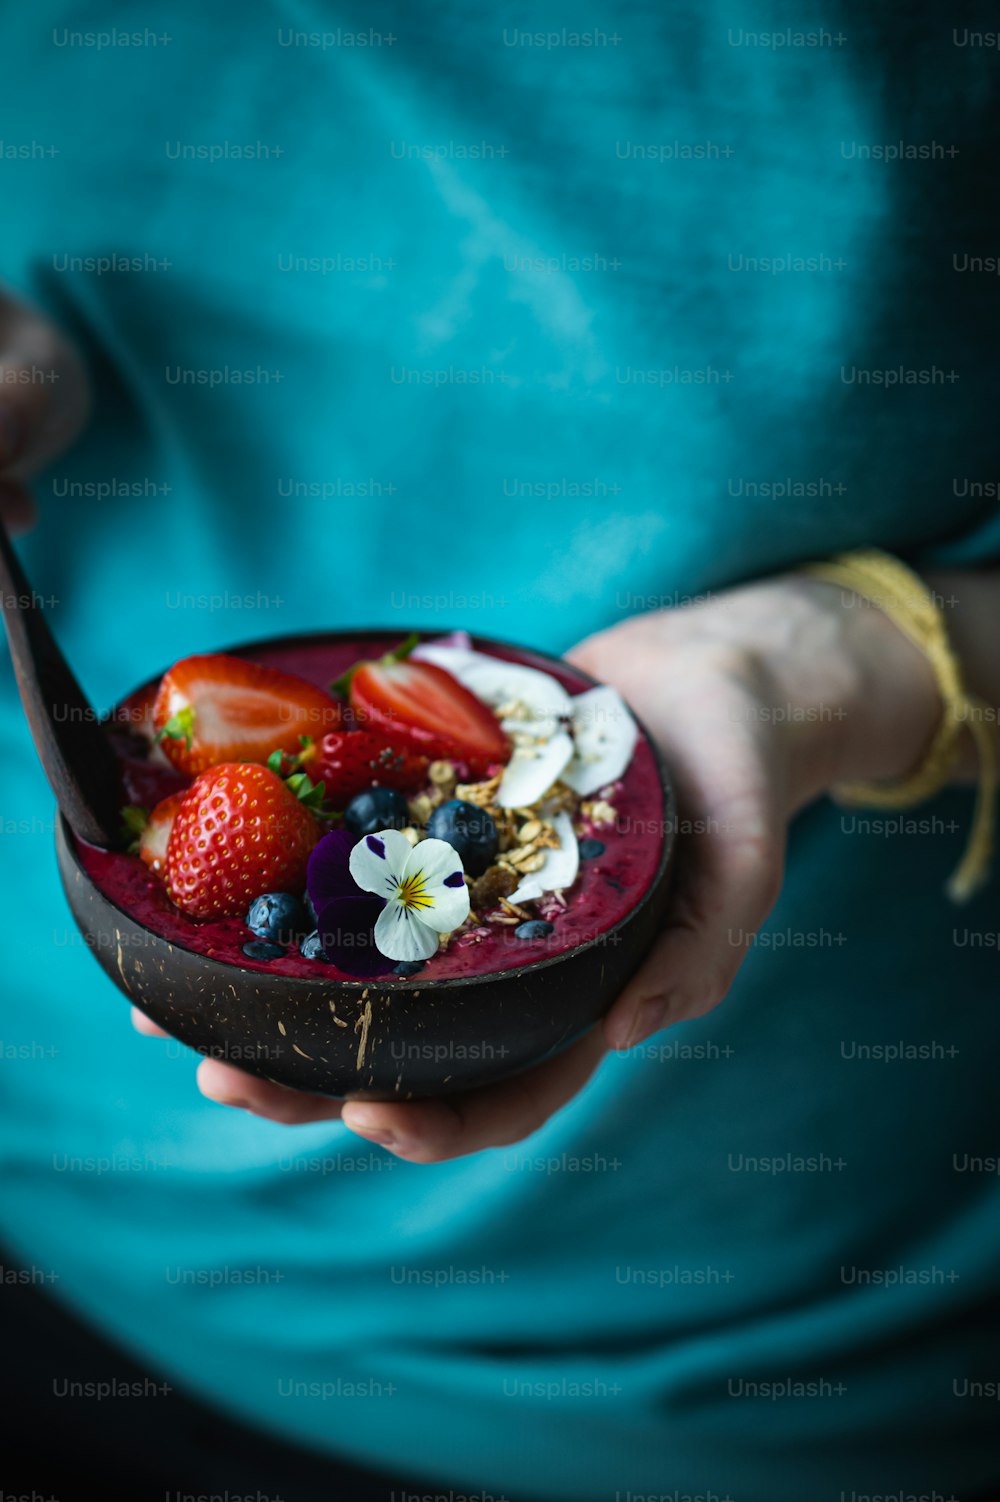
(423, 886)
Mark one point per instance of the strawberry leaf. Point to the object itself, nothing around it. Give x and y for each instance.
(342, 685)
(284, 763)
(134, 820)
(400, 653)
(180, 727)
(310, 794)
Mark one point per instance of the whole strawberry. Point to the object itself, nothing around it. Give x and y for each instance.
(240, 831)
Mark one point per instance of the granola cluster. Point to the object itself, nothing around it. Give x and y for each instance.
(524, 836)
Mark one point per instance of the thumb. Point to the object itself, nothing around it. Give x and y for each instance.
(729, 866)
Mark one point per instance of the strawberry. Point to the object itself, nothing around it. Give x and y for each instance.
(422, 708)
(214, 708)
(240, 831)
(152, 830)
(348, 761)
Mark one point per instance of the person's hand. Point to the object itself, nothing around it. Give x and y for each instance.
(464, 1123)
(43, 403)
(760, 699)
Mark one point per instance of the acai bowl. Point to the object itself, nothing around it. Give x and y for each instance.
(359, 866)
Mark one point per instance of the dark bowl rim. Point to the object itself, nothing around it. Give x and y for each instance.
(401, 984)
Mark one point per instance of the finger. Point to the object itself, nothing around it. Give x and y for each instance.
(727, 879)
(43, 389)
(146, 1025)
(229, 1086)
(17, 507)
(431, 1131)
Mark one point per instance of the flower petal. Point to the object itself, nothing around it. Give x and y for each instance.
(346, 928)
(328, 873)
(436, 860)
(436, 868)
(401, 935)
(377, 861)
(449, 907)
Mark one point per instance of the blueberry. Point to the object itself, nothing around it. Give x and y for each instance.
(278, 916)
(535, 928)
(257, 949)
(408, 967)
(311, 948)
(469, 830)
(591, 849)
(309, 906)
(375, 809)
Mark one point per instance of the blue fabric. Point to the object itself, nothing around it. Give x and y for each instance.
(451, 435)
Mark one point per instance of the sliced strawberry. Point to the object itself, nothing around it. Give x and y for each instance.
(213, 708)
(423, 708)
(239, 831)
(151, 846)
(348, 761)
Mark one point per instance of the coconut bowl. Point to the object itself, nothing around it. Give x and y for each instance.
(389, 1038)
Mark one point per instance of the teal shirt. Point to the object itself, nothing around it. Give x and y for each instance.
(458, 329)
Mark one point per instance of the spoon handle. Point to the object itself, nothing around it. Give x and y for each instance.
(75, 753)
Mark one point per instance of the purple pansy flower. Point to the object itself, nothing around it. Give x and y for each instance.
(345, 916)
(380, 899)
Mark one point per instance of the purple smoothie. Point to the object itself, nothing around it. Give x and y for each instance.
(605, 891)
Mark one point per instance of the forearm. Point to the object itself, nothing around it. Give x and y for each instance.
(763, 698)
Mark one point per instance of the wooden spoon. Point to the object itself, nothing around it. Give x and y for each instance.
(75, 752)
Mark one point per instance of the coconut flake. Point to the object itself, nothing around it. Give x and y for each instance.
(539, 701)
(605, 734)
(537, 706)
(454, 659)
(454, 639)
(529, 890)
(535, 702)
(532, 770)
(560, 868)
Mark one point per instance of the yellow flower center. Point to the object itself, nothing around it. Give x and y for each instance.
(412, 893)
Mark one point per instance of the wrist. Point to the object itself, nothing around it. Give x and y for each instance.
(875, 684)
(851, 696)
